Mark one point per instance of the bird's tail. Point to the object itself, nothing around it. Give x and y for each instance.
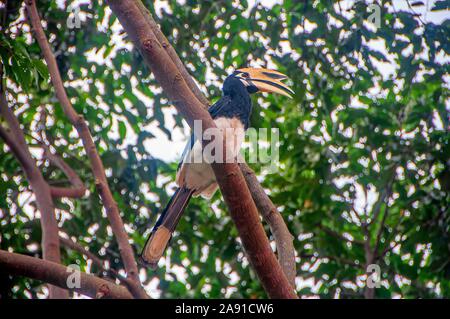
(162, 232)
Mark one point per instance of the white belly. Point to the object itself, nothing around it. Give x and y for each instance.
(196, 171)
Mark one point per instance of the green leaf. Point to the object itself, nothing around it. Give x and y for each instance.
(122, 130)
(441, 5)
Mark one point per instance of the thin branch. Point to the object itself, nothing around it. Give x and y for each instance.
(339, 236)
(16, 142)
(390, 248)
(172, 54)
(283, 238)
(371, 252)
(386, 193)
(380, 231)
(377, 210)
(395, 230)
(369, 293)
(341, 260)
(360, 220)
(18, 152)
(69, 243)
(112, 210)
(58, 275)
(137, 293)
(414, 13)
(229, 177)
(17, 135)
(77, 190)
(338, 259)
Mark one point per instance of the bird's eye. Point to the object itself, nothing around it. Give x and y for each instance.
(245, 75)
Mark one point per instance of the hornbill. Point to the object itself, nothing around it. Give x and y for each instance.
(231, 114)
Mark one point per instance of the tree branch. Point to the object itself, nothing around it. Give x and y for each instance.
(371, 252)
(56, 274)
(385, 200)
(281, 234)
(172, 54)
(16, 142)
(339, 236)
(229, 177)
(69, 243)
(337, 259)
(77, 190)
(18, 151)
(112, 210)
(137, 293)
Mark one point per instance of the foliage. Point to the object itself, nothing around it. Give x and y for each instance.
(364, 157)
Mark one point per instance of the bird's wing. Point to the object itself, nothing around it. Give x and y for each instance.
(214, 110)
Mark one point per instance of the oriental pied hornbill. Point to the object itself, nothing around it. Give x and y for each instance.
(195, 178)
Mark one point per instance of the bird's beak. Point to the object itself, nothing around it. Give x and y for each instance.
(266, 80)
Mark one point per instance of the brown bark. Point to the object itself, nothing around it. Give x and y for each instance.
(231, 181)
(55, 274)
(173, 54)
(16, 142)
(283, 238)
(69, 243)
(77, 190)
(135, 290)
(112, 210)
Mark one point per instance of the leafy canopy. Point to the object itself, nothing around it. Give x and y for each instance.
(364, 146)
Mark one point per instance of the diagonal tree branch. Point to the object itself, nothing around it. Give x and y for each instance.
(283, 239)
(58, 275)
(339, 236)
(384, 199)
(77, 190)
(16, 149)
(371, 251)
(112, 210)
(231, 181)
(172, 54)
(281, 234)
(16, 142)
(69, 243)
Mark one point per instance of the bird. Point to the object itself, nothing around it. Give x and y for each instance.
(231, 114)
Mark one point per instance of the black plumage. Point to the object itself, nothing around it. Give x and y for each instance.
(235, 103)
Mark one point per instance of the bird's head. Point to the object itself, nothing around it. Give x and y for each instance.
(263, 80)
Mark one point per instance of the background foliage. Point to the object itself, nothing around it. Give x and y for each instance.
(364, 157)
